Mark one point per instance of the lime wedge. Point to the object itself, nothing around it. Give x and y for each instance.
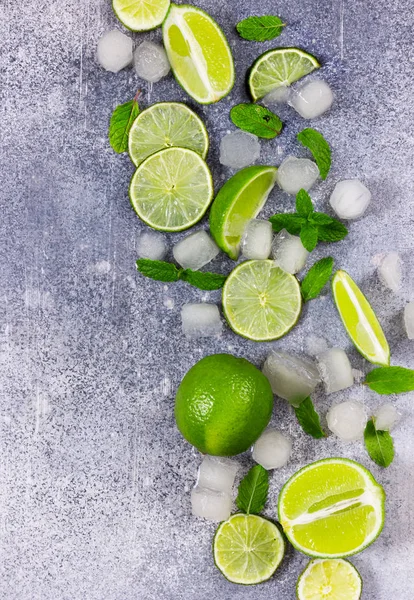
(329, 579)
(140, 15)
(360, 320)
(164, 125)
(248, 549)
(261, 301)
(332, 508)
(240, 199)
(199, 54)
(279, 68)
(172, 189)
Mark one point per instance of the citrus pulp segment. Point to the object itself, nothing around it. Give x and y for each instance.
(140, 15)
(329, 579)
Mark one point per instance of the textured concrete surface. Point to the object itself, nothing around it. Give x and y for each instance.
(94, 477)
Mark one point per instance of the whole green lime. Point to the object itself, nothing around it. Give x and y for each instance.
(223, 404)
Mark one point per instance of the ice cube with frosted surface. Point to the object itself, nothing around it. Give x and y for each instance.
(279, 95)
(350, 199)
(312, 99)
(409, 320)
(291, 377)
(151, 62)
(390, 271)
(257, 239)
(386, 417)
(217, 473)
(195, 250)
(347, 420)
(336, 370)
(295, 174)
(114, 51)
(152, 245)
(201, 320)
(239, 149)
(210, 504)
(289, 252)
(273, 449)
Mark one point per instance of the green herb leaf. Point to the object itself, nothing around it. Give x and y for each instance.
(379, 444)
(309, 236)
(319, 147)
(316, 278)
(121, 122)
(256, 119)
(309, 419)
(291, 222)
(260, 29)
(304, 206)
(158, 269)
(332, 232)
(390, 380)
(320, 218)
(253, 489)
(203, 280)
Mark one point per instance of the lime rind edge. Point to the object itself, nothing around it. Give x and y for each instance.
(133, 29)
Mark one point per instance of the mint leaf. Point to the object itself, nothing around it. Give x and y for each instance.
(316, 278)
(319, 147)
(379, 444)
(291, 222)
(120, 124)
(203, 280)
(320, 218)
(332, 232)
(256, 119)
(309, 236)
(390, 380)
(253, 489)
(260, 29)
(158, 269)
(304, 206)
(309, 419)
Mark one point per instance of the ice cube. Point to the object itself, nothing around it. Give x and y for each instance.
(350, 199)
(347, 420)
(257, 239)
(315, 345)
(151, 62)
(201, 320)
(409, 320)
(114, 51)
(289, 252)
(312, 99)
(336, 370)
(386, 417)
(390, 271)
(272, 450)
(152, 245)
(279, 95)
(291, 377)
(295, 174)
(217, 473)
(195, 250)
(239, 149)
(210, 504)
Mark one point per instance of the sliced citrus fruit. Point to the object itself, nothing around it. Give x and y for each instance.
(329, 579)
(140, 15)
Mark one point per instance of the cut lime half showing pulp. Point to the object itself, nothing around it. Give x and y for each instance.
(172, 189)
(332, 508)
(261, 301)
(140, 15)
(199, 54)
(240, 199)
(248, 549)
(329, 579)
(360, 320)
(279, 68)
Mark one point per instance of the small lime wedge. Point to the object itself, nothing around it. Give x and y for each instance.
(140, 15)
(329, 579)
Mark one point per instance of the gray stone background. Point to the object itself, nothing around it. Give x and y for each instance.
(94, 477)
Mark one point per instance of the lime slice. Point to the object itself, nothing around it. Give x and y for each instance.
(360, 320)
(240, 199)
(279, 68)
(140, 15)
(261, 301)
(329, 579)
(172, 189)
(332, 508)
(199, 54)
(248, 549)
(164, 125)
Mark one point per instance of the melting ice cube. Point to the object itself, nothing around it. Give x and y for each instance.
(347, 420)
(312, 99)
(272, 450)
(151, 62)
(257, 239)
(295, 174)
(336, 370)
(289, 252)
(195, 250)
(114, 51)
(291, 377)
(239, 149)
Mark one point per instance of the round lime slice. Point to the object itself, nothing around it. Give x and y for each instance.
(172, 189)
(279, 68)
(248, 549)
(164, 125)
(261, 301)
(332, 508)
(140, 15)
(329, 579)
(360, 320)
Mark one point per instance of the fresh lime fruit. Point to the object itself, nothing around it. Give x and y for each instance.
(329, 579)
(140, 15)
(360, 320)
(240, 199)
(223, 404)
(199, 54)
(332, 508)
(261, 301)
(279, 67)
(164, 125)
(172, 189)
(248, 549)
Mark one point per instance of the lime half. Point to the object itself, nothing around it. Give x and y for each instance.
(360, 320)
(261, 301)
(240, 199)
(140, 15)
(332, 508)
(199, 54)
(172, 189)
(248, 549)
(329, 579)
(279, 68)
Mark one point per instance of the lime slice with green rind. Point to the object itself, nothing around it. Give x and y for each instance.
(248, 549)
(360, 320)
(261, 301)
(329, 579)
(164, 125)
(172, 189)
(279, 68)
(332, 508)
(141, 15)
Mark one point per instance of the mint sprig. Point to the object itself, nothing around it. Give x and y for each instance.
(309, 419)
(256, 119)
(260, 29)
(390, 380)
(165, 271)
(312, 139)
(253, 490)
(121, 122)
(316, 278)
(379, 445)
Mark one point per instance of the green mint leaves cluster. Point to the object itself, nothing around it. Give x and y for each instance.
(260, 29)
(165, 271)
(120, 124)
(253, 491)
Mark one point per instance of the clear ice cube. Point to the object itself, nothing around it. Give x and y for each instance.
(114, 51)
(390, 271)
(386, 417)
(272, 450)
(151, 62)
(201, 320)
(210, 504)
(350, 199)
(312, 98)
(239, 149)
(336, 370)
(347, 420)
(257, 239)
(409, 320)
(295, 174)
(152, 245)
(195, 250)
(291, 377)
(289, 252)
(217, 473)
(279, 95)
